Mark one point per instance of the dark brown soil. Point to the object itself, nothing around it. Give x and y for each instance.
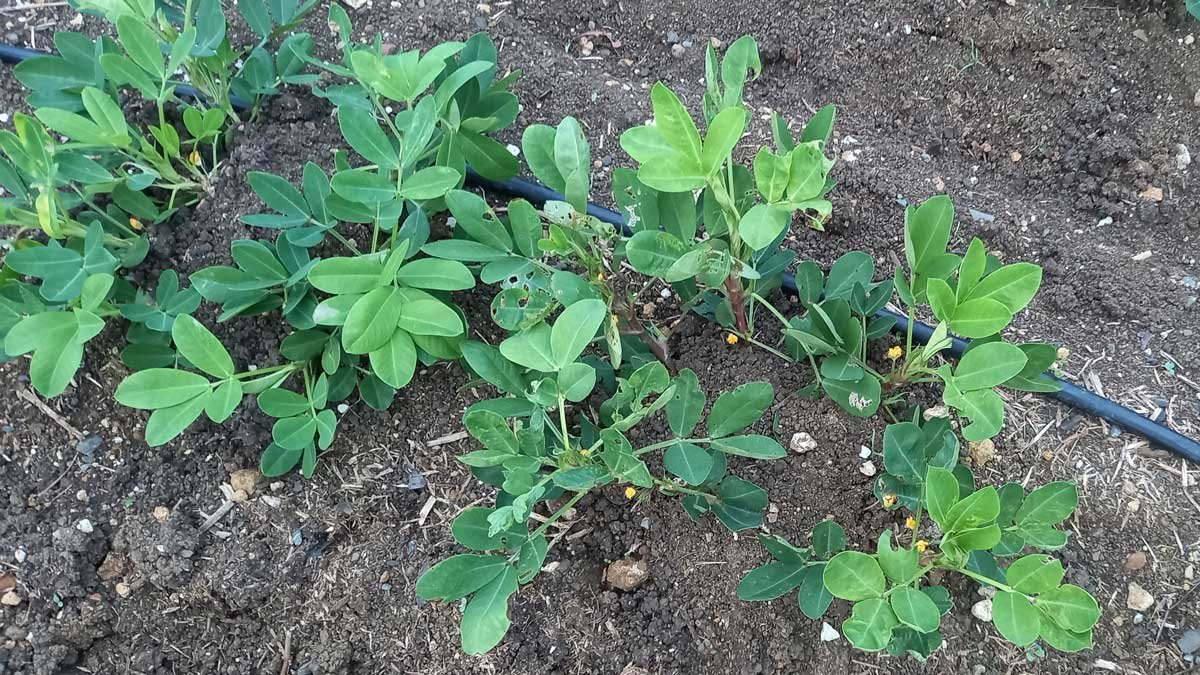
(317, 576)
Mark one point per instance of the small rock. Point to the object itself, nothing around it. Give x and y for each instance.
(1141, 35)
(634, 670)
(864, 452)
(84, 526)
(10, 599)
(981, 452)
(982, 610)
(271, 500)
(1152, 194)
(1139, 598)
(514, 150)
(123, 589)
(1189, 572)
(672, 37)
(82, 496)
(1015, 156)
(1138, 618)
(772, 513)
(1144, 255)
(416, 480)
(1135, 561)
(627, 574)
(867, 469)
(802, 442)
(1133, 505)
(850, 156)
(7, 582)
(828, 633)
(19, 555)
(343, 408)
(936, 411)
(1182, 157)
(112, 567)
(981, 216)
(1189, 643)
(649, 309)
(678, 50)
(1106, 220)
(244, 480)
(89, 445)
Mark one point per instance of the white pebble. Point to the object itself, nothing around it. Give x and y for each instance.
(664, 293)
(84, 526)
(864, 452)
(514, 150)
(342, 408)
(828, 633)
(867, 468)
(20, 555)
(982, 610)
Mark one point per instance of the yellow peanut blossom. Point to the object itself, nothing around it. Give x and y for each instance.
(585, 451)
(615, 319)
(731, 339)
(599, 276)
(630, 493)
(135, 223)
(194, 158)
(895, 352)
(922, 545)
(889, 501)
(910, 523)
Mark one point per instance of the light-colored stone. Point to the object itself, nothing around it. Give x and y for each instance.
(244, 480)
(634, 670)
(123, 590)
(1135, 561)
(112, 567)
(19, 555)
(161, 513)
(828, 633)
(936, 411)
(867, 469)
(10, 599)
(1139, 599)
(802, 442)
(1152, 193)
(981, 452)
(982, 610)
(627, 574)
(85, 526)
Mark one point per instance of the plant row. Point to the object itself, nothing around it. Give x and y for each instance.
(369, 296)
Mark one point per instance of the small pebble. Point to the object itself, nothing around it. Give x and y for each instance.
(161, 513)
(416, 480)
(19, 555)
(82, 496)
(343, 408)
(864, 452)
(11, 599)
(1139, 599)
(123, 589)
(867, 469)
(802, 442)
(982, 610)
(84, 526)
(828, 633)
(1135, 561)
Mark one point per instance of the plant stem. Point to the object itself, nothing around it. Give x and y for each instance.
(982, 579)
(558, 513)
(737, 300)
(670, 487)
(662, 444)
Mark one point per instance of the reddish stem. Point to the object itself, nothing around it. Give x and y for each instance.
(737, 299)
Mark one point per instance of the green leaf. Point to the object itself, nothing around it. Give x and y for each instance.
(490, 364)
(1015, 618)
(294, 433)
(927, 232)
(459, 576)
(978, 508)
(674, 124)
(900, 565)
(735, 410)
(988, 365)
(724, 131)
(576, 381)
(278, 402)
(160, 388)
(1070, 606)
(277, 461)
(771, 581)
(278, 194)
(653, 252)
(574, 329)
(485, 619)
(828, 538)
(167, 422)
(813, 597)
(141, 44)
(854, 267)
(688, 461)
(980, 317)
(870, 625)
(1012, 286)
(1033, 574)
(854, 576)
(472, 529)
(915, 609)
(363, 186)
(531, 348)
(372, 320)
(762, 224)
(1062, 639)
(199, 346)
(430, 183)
(755, 446)
(941, 494)
(342, 275)
(395, 361)
(361, 130)
(423, 314)
(1049, 505)
(686, 406)
(223, 400)
(985, 408)
(904, 451)
(860, 398)
(740, 505)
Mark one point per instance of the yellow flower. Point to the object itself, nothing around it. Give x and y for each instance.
(585, 451)
(630, 493)
(889, 501)
(615, 319)
(731, 339)
(910, 523)
(135, 223)
(895, 352)
(922, 545)
(194, 158)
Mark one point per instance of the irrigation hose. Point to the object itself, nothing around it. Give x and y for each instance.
(1070, 394)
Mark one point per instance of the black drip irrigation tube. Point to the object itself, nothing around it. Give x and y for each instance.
(1072, 395)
